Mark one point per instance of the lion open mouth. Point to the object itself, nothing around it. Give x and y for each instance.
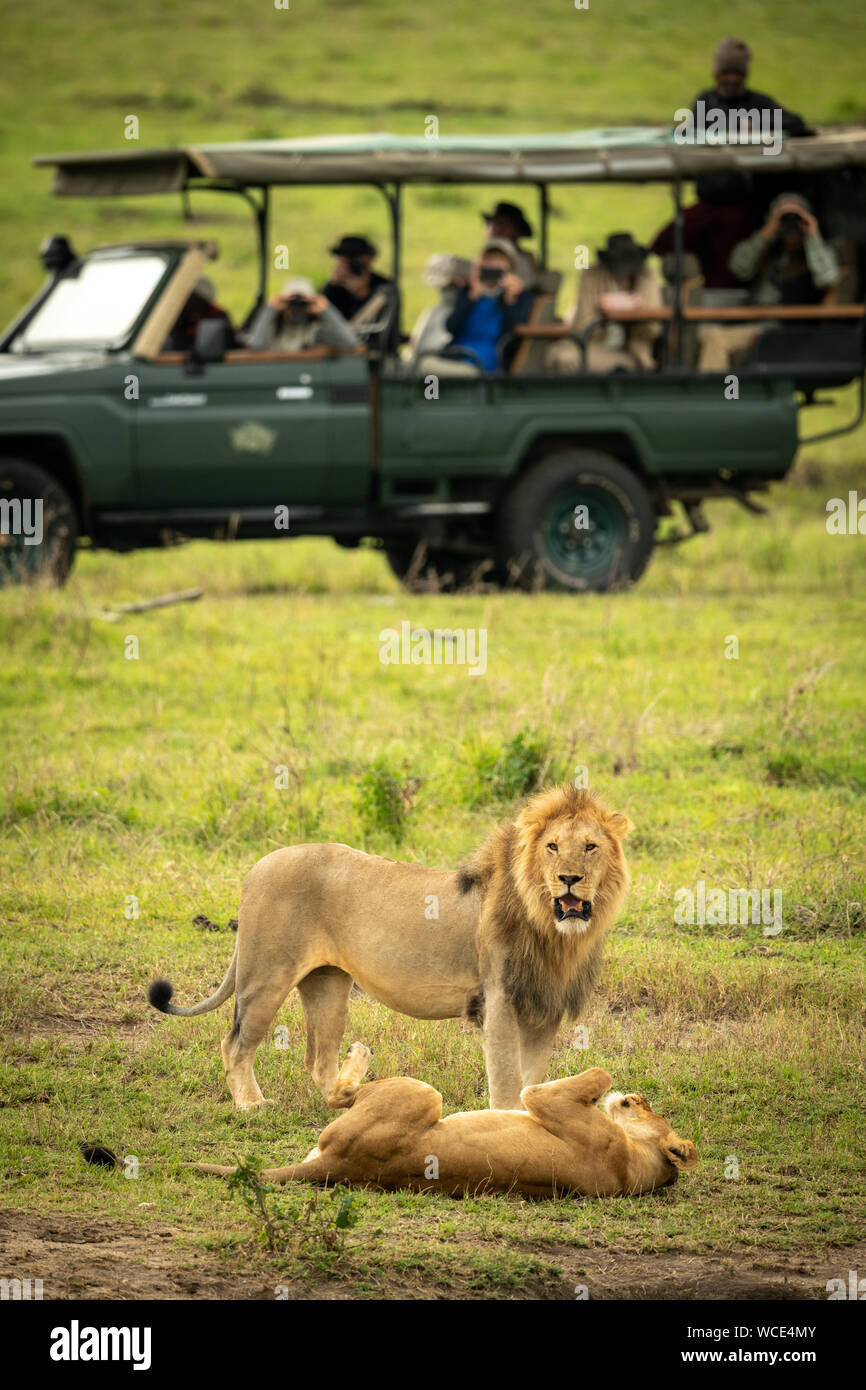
(569, 906)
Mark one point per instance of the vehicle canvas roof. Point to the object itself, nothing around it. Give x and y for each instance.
(631, 154)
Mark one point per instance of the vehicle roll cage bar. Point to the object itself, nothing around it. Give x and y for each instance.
(392, 194)
(261, 207)
(388, 163)
(623, 154)
(673, 316)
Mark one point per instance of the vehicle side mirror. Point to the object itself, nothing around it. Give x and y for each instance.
(213, 338)
(56, 254)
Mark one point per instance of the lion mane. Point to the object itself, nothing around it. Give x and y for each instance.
(548, 975)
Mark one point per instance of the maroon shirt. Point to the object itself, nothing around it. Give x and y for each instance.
(710, 232)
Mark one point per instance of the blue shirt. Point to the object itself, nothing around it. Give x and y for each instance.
(483, 330)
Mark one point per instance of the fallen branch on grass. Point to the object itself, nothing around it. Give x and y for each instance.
(164, 601)
(112, 614)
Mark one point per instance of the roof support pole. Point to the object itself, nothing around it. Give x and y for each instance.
(262, 221)
(543, 211)
(261, 213)
(677, 322)
(393, 198)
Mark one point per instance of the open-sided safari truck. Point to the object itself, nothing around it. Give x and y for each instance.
(520, 473)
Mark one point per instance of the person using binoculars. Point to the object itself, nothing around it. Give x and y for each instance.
(298, 318)
(787, 261)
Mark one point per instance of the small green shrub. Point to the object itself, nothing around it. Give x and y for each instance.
(506, 771)
(385, 799)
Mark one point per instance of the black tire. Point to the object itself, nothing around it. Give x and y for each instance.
(50, 561)
(543, 542)
(422, 570)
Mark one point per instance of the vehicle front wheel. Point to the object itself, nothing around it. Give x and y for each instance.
(578, 520)
(38, 525)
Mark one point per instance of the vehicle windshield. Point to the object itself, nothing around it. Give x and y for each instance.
(97, 305)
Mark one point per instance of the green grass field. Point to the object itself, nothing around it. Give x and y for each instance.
(154, 779)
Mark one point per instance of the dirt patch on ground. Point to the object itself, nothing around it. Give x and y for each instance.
(744, 1274)
(86, 1259)
(81, 1259)
(78, 1029)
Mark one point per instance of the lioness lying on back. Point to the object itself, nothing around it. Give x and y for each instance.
(394, 1136)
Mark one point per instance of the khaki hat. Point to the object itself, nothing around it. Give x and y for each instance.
(205, 289)
(442, 268)
(298, 284)
(791, 198)
(503, 245)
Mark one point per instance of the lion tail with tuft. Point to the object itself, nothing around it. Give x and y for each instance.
(160, 992)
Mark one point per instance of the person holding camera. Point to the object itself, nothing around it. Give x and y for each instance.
(486, 310)
(787, 261)
(508, 222)
(298, 318)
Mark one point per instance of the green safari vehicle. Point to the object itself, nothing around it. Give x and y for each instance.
(516, 475)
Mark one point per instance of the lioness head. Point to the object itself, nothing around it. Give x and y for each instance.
(569, 863)
(643, 1124)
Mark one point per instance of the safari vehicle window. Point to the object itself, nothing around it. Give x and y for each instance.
(97, 305)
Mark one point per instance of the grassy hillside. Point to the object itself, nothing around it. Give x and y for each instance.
(208, 72)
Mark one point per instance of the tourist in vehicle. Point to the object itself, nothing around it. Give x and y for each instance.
(787, 261)
(620, 279)
(353, 280)
(360, 294)
(448, 274)
(486, 311)
(508, 222)
(732, 59)
(724, 215)
(298, 318)
(202, 304)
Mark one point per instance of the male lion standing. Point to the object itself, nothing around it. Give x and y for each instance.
(516, 945)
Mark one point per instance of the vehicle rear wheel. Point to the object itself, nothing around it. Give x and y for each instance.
(578, 520)
(23, 558)
(424, 570)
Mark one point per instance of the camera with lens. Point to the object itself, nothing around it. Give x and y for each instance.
(356, 265)
(491, 274)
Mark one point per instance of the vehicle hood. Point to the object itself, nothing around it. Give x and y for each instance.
(17, 371)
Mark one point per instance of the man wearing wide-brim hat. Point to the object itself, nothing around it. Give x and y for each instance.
(355, 288)
(621, 279)
(507, 222)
